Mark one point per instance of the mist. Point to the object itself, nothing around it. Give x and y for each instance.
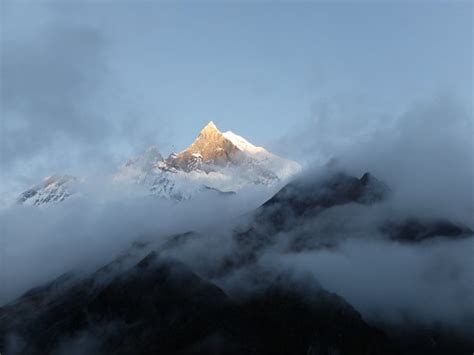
(390, 282)
(425, 156)
(423, 151)
(83, 233)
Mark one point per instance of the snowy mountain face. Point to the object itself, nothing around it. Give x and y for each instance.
(260, 158)
(216, 162)
(53, 189)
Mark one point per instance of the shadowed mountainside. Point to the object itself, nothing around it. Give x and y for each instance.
(161, 306)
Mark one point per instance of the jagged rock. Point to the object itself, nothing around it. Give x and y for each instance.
(305, 197)
(210, 148)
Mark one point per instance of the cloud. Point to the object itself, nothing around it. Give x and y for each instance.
(425, 151)
(427, 156)
(83, 233)
(63, 108)
(391, 282)
(50, 81)
(343, 249)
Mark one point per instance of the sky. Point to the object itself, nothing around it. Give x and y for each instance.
(87, 85)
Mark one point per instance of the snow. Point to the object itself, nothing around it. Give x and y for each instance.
(243, 144)
(53, 189)
(283, 168)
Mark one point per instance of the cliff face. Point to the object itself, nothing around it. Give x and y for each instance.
(209, 148)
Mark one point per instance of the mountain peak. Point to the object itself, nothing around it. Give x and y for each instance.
(210, 125)
(210, 128)
(210, 147)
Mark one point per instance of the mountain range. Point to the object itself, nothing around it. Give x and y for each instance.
(215, 162)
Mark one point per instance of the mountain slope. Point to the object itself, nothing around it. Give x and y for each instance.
(283, 168)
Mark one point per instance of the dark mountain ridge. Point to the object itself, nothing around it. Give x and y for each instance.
(161, 306)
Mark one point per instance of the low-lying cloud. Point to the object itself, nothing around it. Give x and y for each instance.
(424, 153)
(80, 234)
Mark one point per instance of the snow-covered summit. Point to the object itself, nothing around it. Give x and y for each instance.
(210, 148)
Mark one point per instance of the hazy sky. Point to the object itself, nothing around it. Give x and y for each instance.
(88, 84)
